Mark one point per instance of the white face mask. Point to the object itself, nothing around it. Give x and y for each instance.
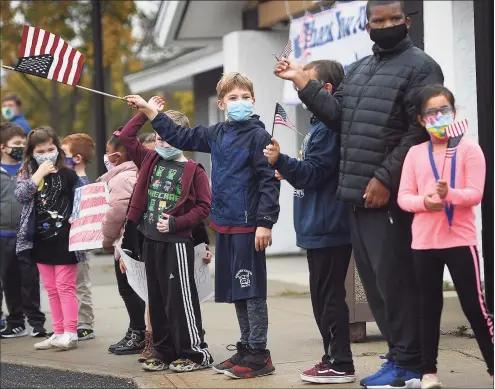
(40, 158)
(109, 165)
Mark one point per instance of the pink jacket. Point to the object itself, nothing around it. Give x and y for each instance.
(121, 180)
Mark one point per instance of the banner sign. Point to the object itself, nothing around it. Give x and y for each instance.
(337, 34)
(90, 206)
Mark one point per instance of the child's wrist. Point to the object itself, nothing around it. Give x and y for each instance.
(150, 112)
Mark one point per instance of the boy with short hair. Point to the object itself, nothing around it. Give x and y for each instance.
(244, 208)
(79, 151)
(20, 277)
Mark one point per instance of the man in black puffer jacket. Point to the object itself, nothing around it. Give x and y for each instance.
(374, 109)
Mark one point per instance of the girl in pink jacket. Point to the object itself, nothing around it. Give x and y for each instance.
(441, 185)
(121, 178)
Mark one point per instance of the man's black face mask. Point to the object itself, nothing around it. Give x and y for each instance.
(387, 38)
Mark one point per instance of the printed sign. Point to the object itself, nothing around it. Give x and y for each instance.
(90, 206)
(202, 274)
(136, 275)
(337, 34)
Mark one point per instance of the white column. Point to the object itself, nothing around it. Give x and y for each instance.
(449, 40)
(250, 52)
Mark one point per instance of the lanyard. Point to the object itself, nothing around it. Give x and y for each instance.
(449, 209)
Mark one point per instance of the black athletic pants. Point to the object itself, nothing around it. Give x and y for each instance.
(21, 285)
(463, 265)
(133, 303)
(381, 240)
(327, 272)
(173, 302)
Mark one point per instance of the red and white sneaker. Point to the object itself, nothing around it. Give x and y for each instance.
(325, 373)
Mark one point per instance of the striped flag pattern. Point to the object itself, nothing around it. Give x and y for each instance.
(281, 117)
(48, 56)
(452, 146)
(457, 128)
(287, 50)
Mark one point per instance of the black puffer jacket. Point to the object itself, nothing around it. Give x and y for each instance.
(374, 109)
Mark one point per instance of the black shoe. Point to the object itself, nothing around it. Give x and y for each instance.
(121, 342)
(85, 334)
(256, 364)
(13, 332)
(38, 332)
(242, 351)
(135, 345)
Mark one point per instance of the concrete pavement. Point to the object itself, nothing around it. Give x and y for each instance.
(293, 339)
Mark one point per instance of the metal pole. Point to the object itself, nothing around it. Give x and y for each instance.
(98, 84)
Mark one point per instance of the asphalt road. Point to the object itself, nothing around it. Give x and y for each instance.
(17, 376)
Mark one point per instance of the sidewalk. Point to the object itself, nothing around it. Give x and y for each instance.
(293, 340)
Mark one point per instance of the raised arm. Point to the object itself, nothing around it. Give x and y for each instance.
(129, 138)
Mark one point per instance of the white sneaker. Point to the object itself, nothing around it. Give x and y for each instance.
(67, 341)
(47, 343)
(430, 381)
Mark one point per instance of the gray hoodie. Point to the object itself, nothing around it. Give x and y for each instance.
(10, 208)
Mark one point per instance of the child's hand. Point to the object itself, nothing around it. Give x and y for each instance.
(263, 238)
(442, 188)
(432, 204)
(272, 152)
(136, 102)
(46, 168)
(278, 176)
(207, 259)
(122, 265)
(157, 103)
(163, 224)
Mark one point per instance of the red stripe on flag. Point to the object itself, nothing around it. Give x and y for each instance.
(45, 43)
(70, 65)
(55, 45)
(60, 61)
(34, 42)
(79, 70)
(25, 32)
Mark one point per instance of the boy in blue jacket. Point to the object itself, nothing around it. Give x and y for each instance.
(244, 208)
(322, 228)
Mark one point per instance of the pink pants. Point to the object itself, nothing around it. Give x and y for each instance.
(60, 284)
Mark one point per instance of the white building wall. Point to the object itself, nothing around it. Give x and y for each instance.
(250, 52)
(449, 39)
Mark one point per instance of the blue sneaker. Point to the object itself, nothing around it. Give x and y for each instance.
(397, 377)
(386, 367)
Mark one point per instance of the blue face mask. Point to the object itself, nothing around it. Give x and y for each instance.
(168, 153)
(8, 113)
(239, 109)
(70, 162)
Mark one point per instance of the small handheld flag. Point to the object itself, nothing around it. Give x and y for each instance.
(281, 117)
(455, 132)
(287, 50)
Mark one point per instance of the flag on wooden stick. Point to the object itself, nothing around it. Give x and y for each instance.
(281, 117)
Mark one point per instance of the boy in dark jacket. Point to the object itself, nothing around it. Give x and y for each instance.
(244, 208)
(20, 276)
(171, 196)
(322, 228)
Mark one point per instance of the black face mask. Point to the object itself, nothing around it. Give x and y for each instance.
(387, 38)
(17, 153)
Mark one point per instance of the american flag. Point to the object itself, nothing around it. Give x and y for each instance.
(452, 146)
(48, 56)
(457, 128)
(287, 50)
(281, 117)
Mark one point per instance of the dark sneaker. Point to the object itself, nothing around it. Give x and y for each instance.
(84, 334)
(386, 367)
(397, 377)
(233, 360)
(154, 364)
(326, 373)
(121, 342)
(13, 332)
(134, 345)
(148, 347)
(186, 365)
(256, 363)
(38, 332)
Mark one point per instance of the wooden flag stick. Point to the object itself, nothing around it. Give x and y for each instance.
(77, 86)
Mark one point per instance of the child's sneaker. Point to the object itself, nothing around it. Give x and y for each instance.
(256, 363)
(154, 364)
(85, 334)
(431, 381)
(134, 345)
(121, 342)
(233, 360)
(67, 341)
(186, 365)
(14, 332)
(38, 332)
(326, 373)
(386, 367)
(397, 377)
(47, 343)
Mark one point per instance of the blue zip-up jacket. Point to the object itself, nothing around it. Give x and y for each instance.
(244, 189)
(319, 220)
(20, 120)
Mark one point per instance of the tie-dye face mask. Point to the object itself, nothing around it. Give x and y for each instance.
(436, 125)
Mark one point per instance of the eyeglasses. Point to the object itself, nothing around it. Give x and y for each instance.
(434, 111)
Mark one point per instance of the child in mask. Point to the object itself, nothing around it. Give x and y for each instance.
(244, 209)
(46, 190)
(172, 196)
(79, 150)
(20, 276)
(441, 184)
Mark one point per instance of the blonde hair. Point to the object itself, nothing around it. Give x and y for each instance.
(178, 118)
(233, 80)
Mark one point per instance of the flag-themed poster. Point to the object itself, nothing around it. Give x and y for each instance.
(337, 34)
(88, 212)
